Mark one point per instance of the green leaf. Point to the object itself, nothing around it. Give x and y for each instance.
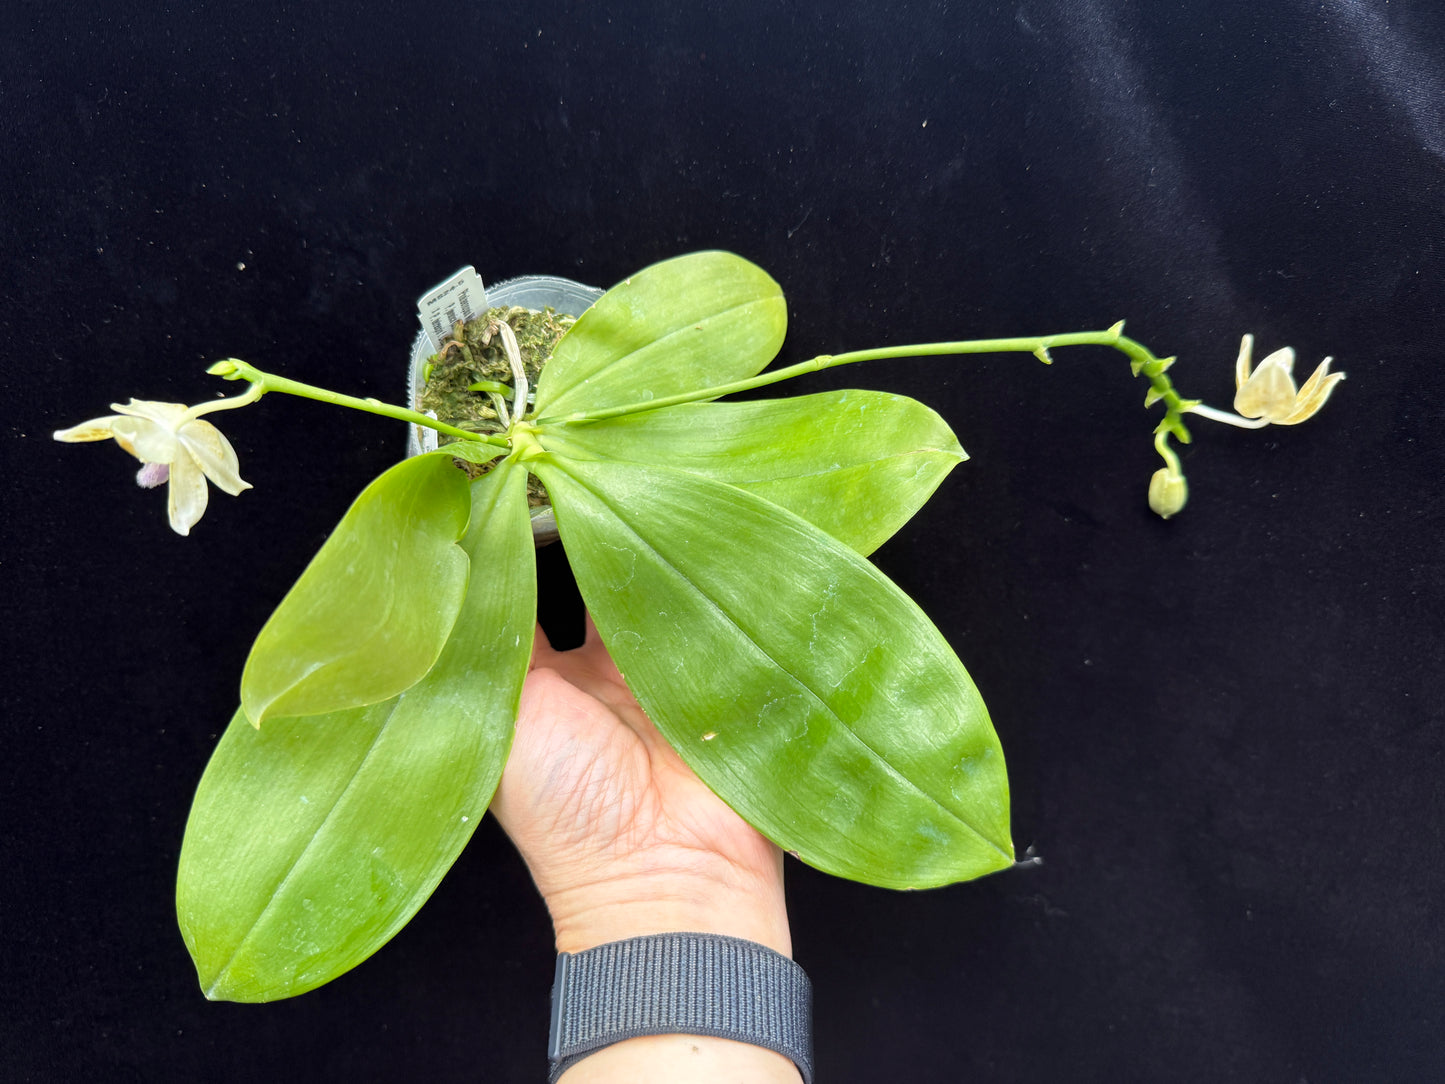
(677, 326)
(313, 841)
(474, 451)
(798, 682)
(856, 464)
(371, 612)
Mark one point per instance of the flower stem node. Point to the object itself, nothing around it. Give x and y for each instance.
(526, 447)
(173, 445)
(1269, 391)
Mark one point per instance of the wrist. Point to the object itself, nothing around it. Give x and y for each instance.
(682, 1059)
(747, 907)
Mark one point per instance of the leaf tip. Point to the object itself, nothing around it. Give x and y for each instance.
(255, 713)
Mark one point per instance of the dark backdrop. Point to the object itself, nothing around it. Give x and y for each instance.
(1224, 731)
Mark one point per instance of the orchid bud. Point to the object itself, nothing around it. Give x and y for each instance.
(1168, 492)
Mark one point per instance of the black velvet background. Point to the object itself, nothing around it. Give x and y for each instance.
(1224, 731)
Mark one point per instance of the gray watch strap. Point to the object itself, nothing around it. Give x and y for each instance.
(680, 983)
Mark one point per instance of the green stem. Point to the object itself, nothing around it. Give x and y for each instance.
(1161, 445)
(250, 395)
(235, 369)
(1141, 360)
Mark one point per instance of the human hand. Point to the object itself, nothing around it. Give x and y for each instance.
(620, 836)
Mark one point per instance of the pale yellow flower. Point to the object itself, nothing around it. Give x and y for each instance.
(1269, 391)
(172, 444)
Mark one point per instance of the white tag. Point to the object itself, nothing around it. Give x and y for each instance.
(460, 297)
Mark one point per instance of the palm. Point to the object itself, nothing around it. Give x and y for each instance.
(594, 796)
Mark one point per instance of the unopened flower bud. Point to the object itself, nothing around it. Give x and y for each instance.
(1168, 492)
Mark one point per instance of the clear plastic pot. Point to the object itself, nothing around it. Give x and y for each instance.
(531, 292)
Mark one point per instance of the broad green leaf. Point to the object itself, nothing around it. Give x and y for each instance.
(312, 841)
(371, 612)
(856, 464)
(677, 326)
(798, 682)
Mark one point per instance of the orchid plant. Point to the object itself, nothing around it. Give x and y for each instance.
(721, 548)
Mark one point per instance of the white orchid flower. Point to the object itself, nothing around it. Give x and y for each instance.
(1269, 391)
(172, 444)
